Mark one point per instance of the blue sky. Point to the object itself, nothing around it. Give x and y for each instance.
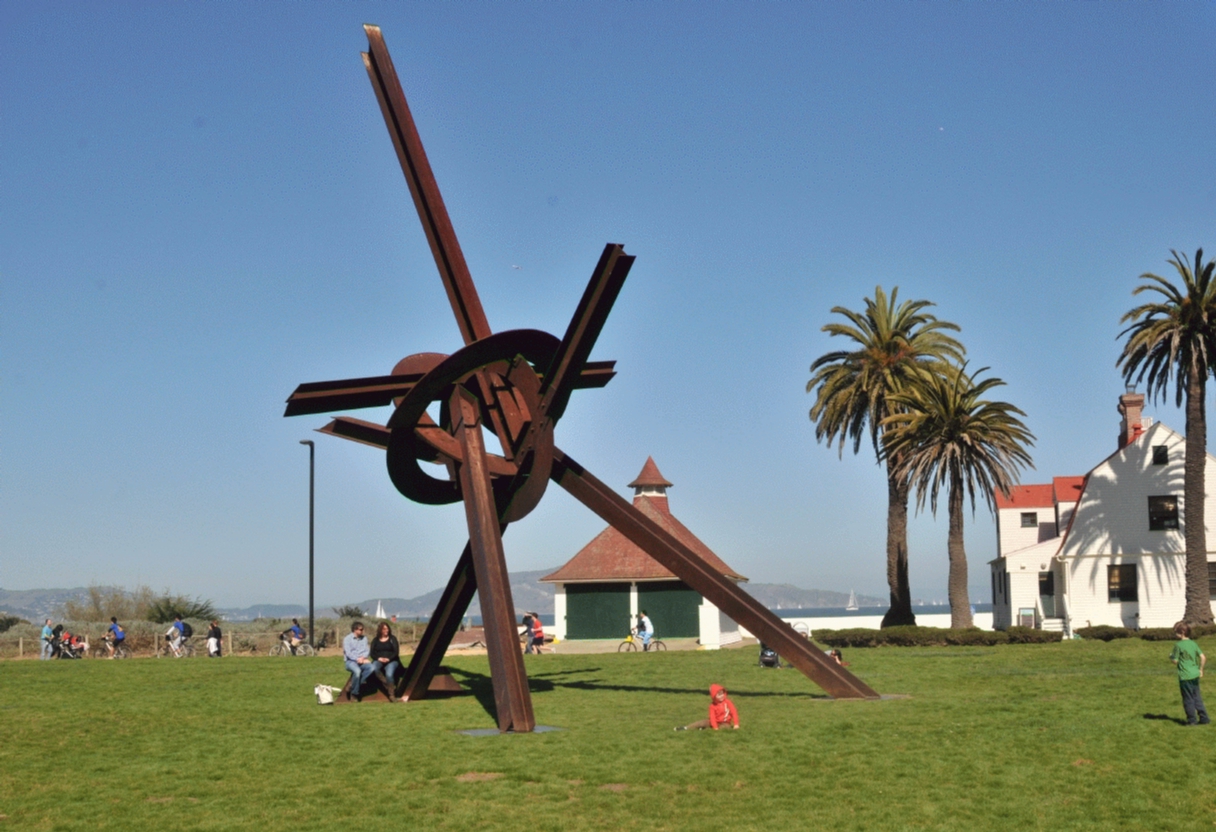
(202, 209)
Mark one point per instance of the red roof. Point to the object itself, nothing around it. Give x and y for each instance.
(613, 557)
(1026, 496)
(1067, 489)
(650, 476)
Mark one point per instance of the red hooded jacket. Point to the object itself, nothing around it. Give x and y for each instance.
(721, 713)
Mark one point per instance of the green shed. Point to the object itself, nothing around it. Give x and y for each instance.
(601, 589)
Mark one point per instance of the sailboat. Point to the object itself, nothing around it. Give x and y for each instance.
(380, 610)
(852, 605)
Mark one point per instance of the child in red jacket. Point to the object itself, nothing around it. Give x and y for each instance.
(721, 712)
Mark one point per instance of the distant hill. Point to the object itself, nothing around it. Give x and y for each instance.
(527, 592)
(787, 596)
(38, 604)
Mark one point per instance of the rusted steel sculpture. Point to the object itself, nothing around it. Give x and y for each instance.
(518, 383)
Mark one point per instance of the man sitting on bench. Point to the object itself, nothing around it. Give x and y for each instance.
(357, 651)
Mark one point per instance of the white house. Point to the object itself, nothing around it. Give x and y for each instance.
(1106, 548)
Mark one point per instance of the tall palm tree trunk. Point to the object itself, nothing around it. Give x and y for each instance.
(900, 611)
(1198, 603)
(960, 602)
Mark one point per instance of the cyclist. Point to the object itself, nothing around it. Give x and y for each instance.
(645, 630)
(295, 633)
(177, 634)
(117, 636)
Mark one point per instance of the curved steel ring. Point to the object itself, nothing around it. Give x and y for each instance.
(405, 448)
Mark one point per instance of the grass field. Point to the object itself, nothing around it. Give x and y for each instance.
(1079, 735)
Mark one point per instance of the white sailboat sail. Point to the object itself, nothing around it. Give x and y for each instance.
(852, 601)
(380, 610)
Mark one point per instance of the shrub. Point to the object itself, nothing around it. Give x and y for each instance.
(1104, 632)
(1167, 633)
(350, 611)
(168, 607)
(1156, 634)
(1029, 635)
(7, 622)
(911, 636)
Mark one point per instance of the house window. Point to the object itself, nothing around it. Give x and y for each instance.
(1161, 455)
(1121, 582)
(1047, 583)
(1162, 513)
(1030, 520)
(1212, 580)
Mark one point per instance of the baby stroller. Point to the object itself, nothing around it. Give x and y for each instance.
(68, 646)
(769, 657)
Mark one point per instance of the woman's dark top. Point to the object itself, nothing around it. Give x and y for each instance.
(385, 649)
(214, 632)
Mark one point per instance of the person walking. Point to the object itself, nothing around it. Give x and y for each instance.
(215, 637)
(538, 634)
(1190, 661)
(48, 641)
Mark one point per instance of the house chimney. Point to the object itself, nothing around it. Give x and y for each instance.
(1131, 404)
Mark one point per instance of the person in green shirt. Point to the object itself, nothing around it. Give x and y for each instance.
(1190, 661)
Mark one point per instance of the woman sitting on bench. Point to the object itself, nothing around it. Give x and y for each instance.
(386, 658)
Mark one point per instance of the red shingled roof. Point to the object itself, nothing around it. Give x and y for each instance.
(613, 557)
(1026, 496)
(650, 476)
(1067, 489)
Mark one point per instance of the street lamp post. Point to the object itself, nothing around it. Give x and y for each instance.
(312, 458)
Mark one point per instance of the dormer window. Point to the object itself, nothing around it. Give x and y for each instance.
(1161, 455)
(1030, 519)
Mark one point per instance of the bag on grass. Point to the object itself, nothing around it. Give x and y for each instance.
(325, 694)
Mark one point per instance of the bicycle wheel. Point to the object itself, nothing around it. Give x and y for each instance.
(280, 649)
(657, 645)
(187, 651)
(122, 652)
(628, 647)
(305, 650)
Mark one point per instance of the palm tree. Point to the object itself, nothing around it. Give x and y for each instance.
(948, 435)
(892, 343)
(1175, 337)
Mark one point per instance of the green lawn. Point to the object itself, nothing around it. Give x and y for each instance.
(1011, 737)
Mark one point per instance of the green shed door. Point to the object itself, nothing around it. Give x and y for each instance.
(597, 610)
(672, 607)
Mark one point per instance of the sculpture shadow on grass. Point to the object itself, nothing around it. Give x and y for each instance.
(481, 686)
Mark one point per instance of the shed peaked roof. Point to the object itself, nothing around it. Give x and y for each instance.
(611, 556)
(650, 476)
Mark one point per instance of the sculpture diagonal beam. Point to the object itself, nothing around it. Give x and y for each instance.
(519, 384)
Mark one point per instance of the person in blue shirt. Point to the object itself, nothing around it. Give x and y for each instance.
(357, 653)
(117, 634)
(48, 640)
(295, 633)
